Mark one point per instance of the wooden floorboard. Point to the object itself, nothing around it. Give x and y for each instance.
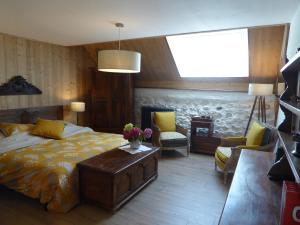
(187, 192)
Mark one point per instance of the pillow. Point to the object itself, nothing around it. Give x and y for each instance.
(9, 129)
(255, 134)
(266, 137)
(48, 128)
(165, 121)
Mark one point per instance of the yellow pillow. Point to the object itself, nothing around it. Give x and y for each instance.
(48, 128)
(12, 128)
(165, 121)
(255, 134)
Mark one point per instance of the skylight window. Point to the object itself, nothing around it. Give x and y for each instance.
(211, 54)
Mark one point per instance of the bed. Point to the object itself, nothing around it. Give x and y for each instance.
(45, 169)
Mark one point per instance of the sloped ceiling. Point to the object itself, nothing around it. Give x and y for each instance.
(158, 69)
(75, 22)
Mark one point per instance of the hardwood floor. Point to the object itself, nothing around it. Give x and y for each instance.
(187, 192)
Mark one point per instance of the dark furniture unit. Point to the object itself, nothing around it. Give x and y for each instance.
(111, 101)
(290, 105)
(205, 144)
(31, 115)
(252, 199)
(112, 178)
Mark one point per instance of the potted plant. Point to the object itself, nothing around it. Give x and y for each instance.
(135, 135)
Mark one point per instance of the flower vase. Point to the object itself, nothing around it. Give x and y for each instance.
(135, 144)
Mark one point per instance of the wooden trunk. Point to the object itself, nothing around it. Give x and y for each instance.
(112, 178)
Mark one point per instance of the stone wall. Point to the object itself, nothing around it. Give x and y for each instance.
(230, 110)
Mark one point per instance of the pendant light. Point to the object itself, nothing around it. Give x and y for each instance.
(119, 61)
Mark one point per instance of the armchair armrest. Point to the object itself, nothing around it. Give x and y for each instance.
(155, 135)
(182, 130)
(265, 148)
(251, 147)
(233, 160)
(268, 148)
(233, 141)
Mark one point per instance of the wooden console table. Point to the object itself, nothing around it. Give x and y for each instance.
(252, 199)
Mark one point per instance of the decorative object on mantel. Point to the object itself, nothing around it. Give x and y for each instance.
(18, 85)
(259, 91)
(77, 107)
(135, 135)
(119, 61)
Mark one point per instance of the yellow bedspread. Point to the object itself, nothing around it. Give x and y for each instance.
(48, 171)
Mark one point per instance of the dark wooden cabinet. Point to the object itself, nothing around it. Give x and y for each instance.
(111, 101)
(205, 144)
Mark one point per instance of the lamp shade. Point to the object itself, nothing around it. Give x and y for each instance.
(77, 106)
(119, 61)
(280, 88)
(260, 89)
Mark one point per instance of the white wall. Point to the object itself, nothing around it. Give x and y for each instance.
(294, 35)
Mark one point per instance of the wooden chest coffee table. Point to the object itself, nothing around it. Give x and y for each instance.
(112, 178)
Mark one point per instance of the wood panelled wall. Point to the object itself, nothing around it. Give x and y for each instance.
(265, 45)
(158, 68)
(58, 71)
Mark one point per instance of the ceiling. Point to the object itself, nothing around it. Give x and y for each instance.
(76, 22)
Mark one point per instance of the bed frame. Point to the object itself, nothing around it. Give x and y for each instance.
(30, 115)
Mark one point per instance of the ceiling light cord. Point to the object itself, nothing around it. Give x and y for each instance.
(119, 38)
(119, 26)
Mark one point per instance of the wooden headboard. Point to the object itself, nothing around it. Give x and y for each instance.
(30, 115)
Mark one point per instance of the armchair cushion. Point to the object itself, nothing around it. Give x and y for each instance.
(165, 121)
(255, 134)
(222, 155)
(267, 136)
(172, 139)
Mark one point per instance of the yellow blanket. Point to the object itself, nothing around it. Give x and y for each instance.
(48, 171)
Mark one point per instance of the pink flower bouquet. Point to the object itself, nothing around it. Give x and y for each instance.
(132, 133)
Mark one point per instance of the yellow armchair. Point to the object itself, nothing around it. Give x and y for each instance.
(170, 140)
(228, 153)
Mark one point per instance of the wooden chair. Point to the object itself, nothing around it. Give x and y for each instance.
(173, 140)
(228, 153)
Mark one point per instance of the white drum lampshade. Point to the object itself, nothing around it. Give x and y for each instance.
(119, 61)
(77, 106)
(280, 88)
(260, 89)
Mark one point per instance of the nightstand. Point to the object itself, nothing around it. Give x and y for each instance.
(205, 144)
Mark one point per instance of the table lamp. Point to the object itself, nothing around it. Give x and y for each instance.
(77, 107)
(259, 91)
